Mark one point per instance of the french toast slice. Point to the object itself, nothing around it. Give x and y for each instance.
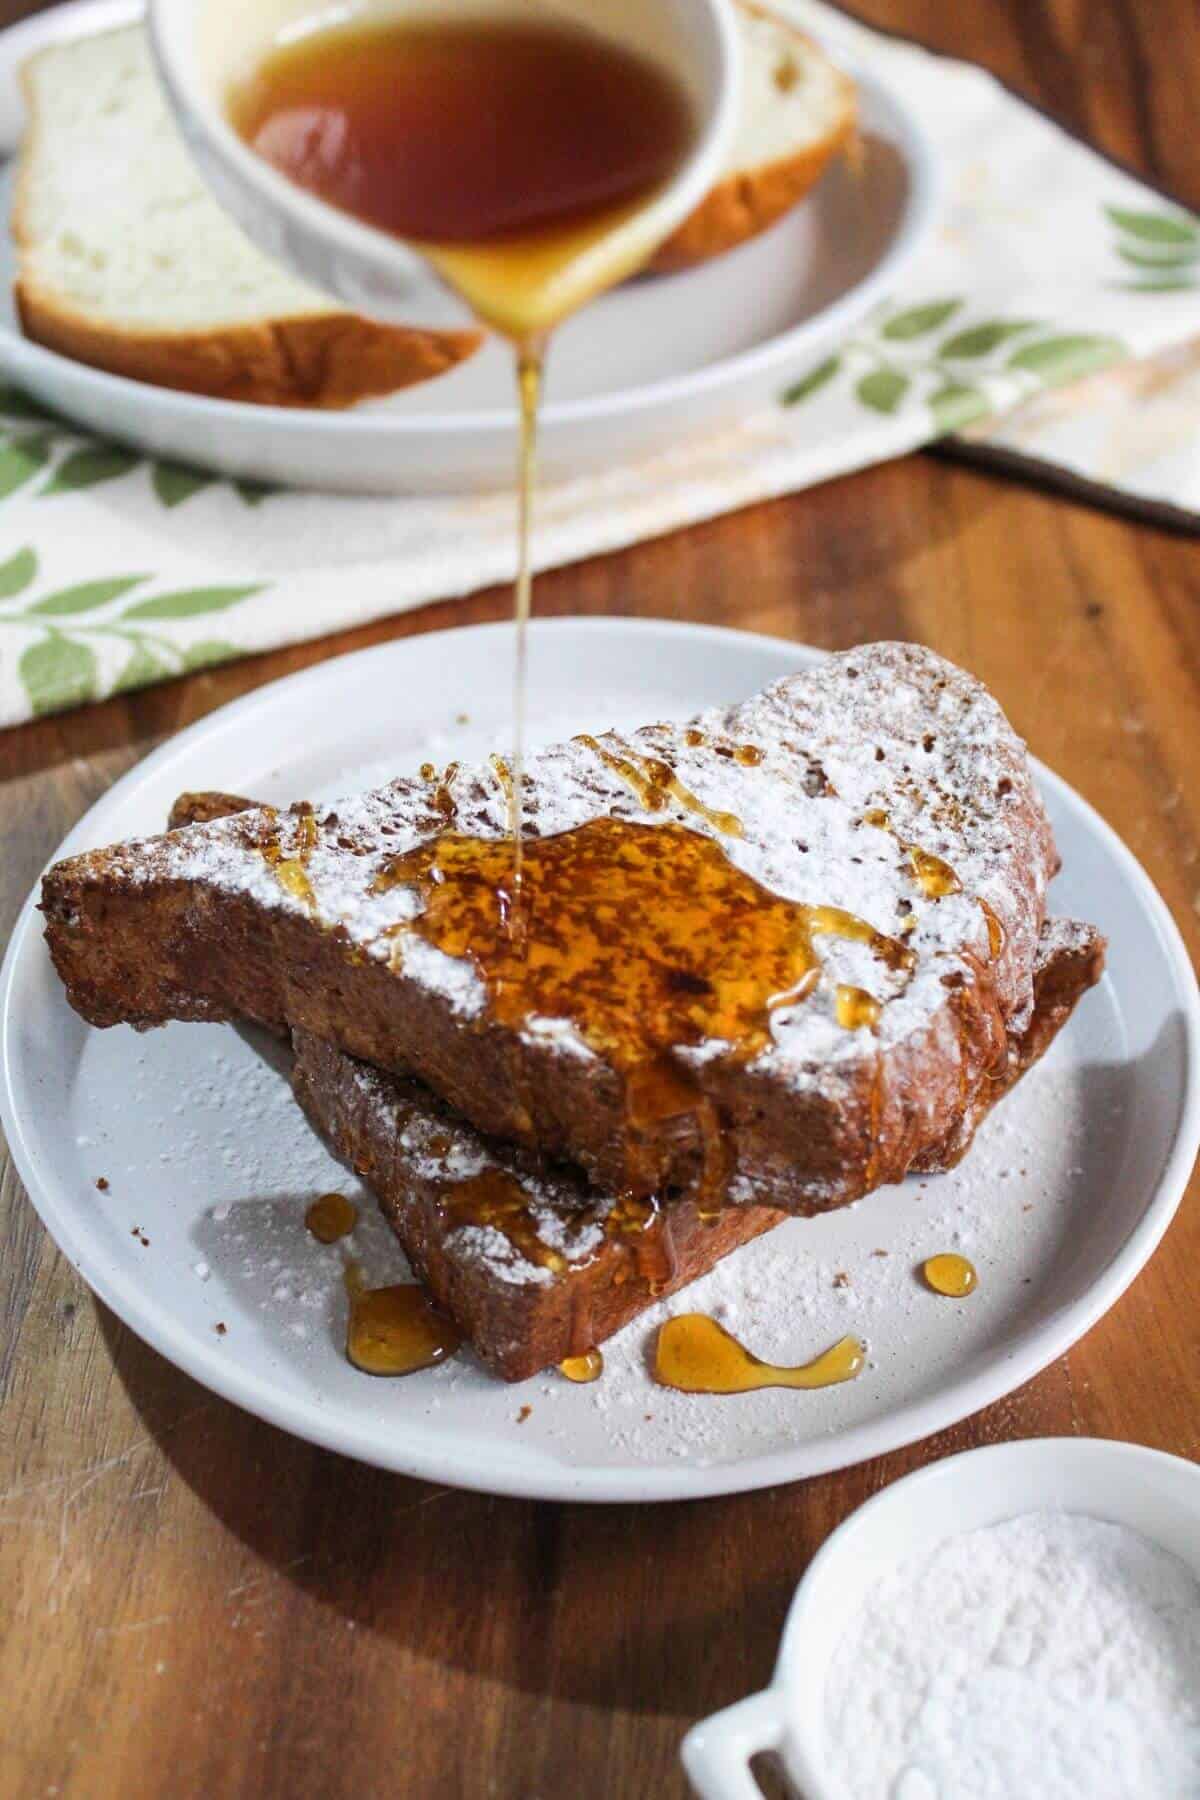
(884, 787)
(534, 1267)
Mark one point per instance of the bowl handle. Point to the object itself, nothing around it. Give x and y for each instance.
(716, 1753)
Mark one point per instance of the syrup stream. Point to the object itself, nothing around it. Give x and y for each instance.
(530, 360)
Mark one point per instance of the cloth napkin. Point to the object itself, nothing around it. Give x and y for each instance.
(1051, 265)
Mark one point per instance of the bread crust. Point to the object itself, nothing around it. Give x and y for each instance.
(327, 360)
(746, 204)
(515, 1327)
(749, 201)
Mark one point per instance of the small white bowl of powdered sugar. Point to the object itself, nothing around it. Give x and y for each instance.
(1016, 1623)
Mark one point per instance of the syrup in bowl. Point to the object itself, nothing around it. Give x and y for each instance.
(509, 152)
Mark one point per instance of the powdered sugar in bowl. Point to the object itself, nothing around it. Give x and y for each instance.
(1064, 1556)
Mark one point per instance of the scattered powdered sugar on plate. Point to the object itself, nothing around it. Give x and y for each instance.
(240, 1159)
(1051, 1657)
(232, 1114)
(1010, 1207)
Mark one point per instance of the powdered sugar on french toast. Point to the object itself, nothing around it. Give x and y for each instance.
(437, 1146)
(889, 729)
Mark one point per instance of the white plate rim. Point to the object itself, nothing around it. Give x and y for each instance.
(908, 1424)
(784, 351)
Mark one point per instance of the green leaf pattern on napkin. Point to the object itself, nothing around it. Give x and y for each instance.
(61, 666)
(1161, 248)
(904, 357)
(935, 364)
(56, 671)
(33, 442)
(22, 456)
(934, 354)
(70, 634)
(173, 483)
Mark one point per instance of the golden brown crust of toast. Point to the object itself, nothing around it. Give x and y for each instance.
(515, 1327)
(328, 360)
(142, 952)
(745, 204)
(204, 805)
(749, 201)
(1070, 960)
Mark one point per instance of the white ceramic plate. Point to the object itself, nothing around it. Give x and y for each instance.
(1060, 1203)
(643, 368)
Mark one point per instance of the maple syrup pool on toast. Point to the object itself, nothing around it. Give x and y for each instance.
(510, 154)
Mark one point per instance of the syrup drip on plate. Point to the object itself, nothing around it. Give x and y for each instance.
(331, 1217)
(697, 1356)
(647, 938)
(588, 1367)
(395, 1330)
(950, 1274)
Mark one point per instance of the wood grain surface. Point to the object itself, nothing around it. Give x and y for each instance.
(195, 1604)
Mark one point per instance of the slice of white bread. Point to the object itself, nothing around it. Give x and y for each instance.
(126, 261)
(797, 111)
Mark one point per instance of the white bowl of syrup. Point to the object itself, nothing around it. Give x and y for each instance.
(1123, 1484)
(430, 160)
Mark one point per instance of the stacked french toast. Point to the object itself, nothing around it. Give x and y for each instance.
(756, 964)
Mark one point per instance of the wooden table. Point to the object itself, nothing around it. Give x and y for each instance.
(196, 1604)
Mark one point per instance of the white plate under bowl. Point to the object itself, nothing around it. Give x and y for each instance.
(1062, 1199)
(641, 369)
